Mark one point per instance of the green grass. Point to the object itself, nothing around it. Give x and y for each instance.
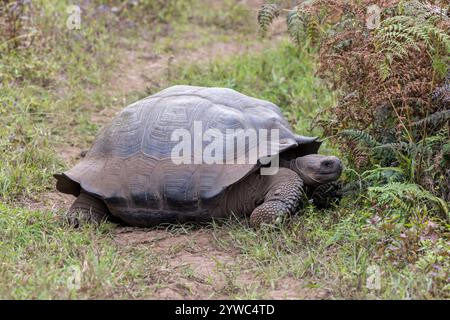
(47, 95)
(283, 76)
(50, 89)
(43, 259)
(333, 249)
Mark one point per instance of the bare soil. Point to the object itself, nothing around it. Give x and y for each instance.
(194, 266)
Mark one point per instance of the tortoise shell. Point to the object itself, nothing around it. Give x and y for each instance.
(130, 163)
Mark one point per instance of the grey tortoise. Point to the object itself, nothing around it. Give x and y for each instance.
(129, 175)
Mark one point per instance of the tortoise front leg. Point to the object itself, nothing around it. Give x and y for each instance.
(87, 208)
(283, 195)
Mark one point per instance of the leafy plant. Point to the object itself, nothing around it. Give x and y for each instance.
(266, 15)
(419, 25)
(392, 109)
(407, 196)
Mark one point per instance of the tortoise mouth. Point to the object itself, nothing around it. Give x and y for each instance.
(331, 168)
(323, 177)
(317, 180)
(334, 172)
(332, 176)
(330, 172)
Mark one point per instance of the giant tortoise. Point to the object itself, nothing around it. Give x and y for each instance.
(130, 174)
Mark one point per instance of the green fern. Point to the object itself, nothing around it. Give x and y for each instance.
(385, 68)
(313, 29)
(367, 146)
(436, 120)
(383, 175)
(302, 25)
(405, 196)
(266, 15)
(401, 146)
(360, 137)
(421, 9)
(416, 25)
(295, 26)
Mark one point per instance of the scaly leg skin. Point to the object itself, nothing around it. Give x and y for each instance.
(284, 193)
(87, 208)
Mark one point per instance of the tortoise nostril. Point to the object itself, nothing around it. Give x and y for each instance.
(327, 163)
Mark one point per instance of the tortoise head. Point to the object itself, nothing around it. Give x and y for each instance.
(315, 169)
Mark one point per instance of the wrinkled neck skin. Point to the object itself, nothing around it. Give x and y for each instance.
(243, 197)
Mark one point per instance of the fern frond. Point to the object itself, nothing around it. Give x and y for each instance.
(422, 10)
(398, 20)
(294, 26)
(416, 25)
(360, 137)
(397, 146)
(384, 68)
(266, 15)
(313, 29)
(429, 34)
(435, 120)
(303, 25)
(405, 196)
(384, 175)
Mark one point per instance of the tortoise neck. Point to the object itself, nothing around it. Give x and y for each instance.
(296, 166)
(243, 197)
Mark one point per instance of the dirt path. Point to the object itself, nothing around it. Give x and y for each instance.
(191, 264)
